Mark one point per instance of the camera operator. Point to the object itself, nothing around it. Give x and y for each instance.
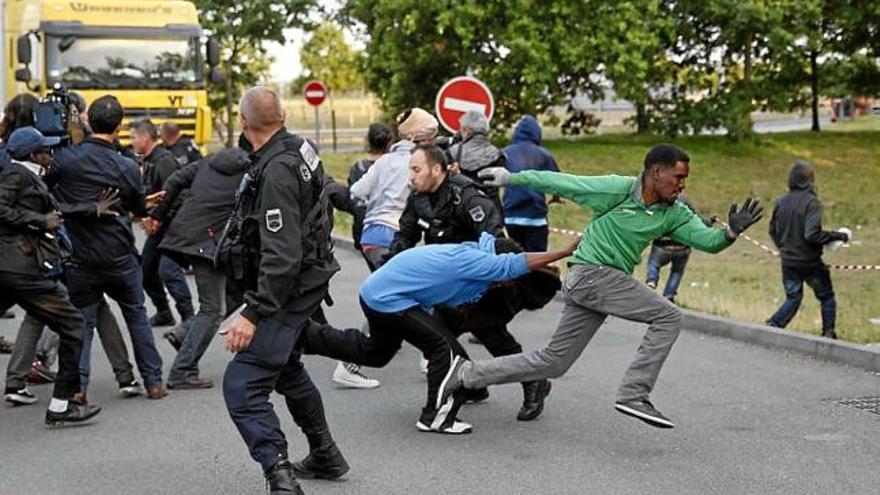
(29, 246)
(105, 259)
(160, 272)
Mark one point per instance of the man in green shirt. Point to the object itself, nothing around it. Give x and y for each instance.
(628, 214)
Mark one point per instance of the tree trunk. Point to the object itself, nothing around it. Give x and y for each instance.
(746, 117)
(814, 88)
(641, 118)
(230, 122)
(230, 99)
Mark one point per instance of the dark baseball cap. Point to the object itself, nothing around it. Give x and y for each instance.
(25, 140)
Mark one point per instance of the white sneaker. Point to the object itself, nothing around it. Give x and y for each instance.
(22, 397)
(456, 428)
(349, 375)
(423, 366)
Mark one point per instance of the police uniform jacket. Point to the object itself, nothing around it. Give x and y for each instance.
(457, 211)
(287, 204)
(185, 151)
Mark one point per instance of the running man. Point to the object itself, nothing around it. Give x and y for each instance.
(628, 214)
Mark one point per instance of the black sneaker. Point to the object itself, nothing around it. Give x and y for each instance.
(75, 413)
(172, 339)
(131, 389)
(19, 397)
(280, 480)
(163, 319)
(451, 382)
(645, 411)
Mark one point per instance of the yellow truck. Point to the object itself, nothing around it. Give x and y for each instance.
(147, 53)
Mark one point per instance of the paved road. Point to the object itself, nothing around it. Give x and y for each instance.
(750, 420)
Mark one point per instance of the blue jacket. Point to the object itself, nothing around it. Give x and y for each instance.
(448, 274)
(526, 154)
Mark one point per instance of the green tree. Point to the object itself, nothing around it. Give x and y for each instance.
(532, 54)
(328, 58)
(242, 27)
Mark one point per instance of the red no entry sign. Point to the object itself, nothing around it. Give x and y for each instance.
(315, 93)
(461, 95)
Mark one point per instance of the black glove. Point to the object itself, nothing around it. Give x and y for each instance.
(838, 236)
(750, 213)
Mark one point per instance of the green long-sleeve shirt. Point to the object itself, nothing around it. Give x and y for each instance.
(622, 226)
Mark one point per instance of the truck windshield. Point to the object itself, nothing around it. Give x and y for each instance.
(102, 62)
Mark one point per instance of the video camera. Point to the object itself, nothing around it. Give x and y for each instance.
(53, 114)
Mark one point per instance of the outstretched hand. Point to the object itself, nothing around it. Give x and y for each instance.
(495, 176)
(750, 213)
(106, 201)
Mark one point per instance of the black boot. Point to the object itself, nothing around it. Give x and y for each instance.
(163, 318)
(324, 461)
(534, 394)
(829, 333)
(280, 480)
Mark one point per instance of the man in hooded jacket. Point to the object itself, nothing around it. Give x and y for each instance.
(796, 229)
(525, 210)
(190, 241)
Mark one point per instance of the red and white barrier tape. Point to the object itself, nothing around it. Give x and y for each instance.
(763, 247)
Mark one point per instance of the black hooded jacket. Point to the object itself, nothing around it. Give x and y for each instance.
(212, 183)
(796, 225)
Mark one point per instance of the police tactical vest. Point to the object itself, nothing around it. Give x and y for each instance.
(238, 249)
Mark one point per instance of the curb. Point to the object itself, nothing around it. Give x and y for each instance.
(775, 338)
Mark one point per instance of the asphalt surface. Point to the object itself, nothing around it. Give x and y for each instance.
(749, 420)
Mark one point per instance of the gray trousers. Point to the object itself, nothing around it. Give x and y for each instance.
(591, 294)
(29, 334)
(201, 329)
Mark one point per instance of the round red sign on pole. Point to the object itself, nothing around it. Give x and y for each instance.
(315, 93)
(460, 95)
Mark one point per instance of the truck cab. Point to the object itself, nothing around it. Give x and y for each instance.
(147, 53)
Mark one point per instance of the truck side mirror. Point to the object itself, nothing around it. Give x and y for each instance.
(23, 75)
(215, 76)
(213, 52)
(23, 46)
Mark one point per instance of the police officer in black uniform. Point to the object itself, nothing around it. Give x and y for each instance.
(278, 241)
(182, 147)
(160, 271)
(447, 207)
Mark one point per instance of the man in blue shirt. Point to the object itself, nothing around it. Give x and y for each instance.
(399, 299)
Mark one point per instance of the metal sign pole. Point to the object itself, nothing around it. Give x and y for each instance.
(317, 128)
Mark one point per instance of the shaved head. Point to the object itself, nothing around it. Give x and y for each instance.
(261, 109)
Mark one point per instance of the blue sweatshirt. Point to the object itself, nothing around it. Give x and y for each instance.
(523, 206)
(449, 274)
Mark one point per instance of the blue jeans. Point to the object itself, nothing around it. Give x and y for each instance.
(124, 284)
(819, 279)
(160, 273)
(661, 257)
(211, 284)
